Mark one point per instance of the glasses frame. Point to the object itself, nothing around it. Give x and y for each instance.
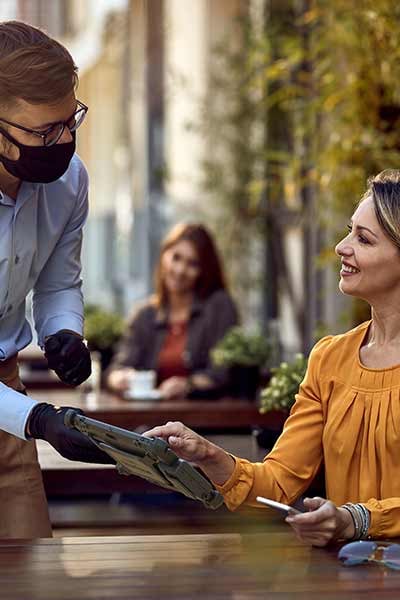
(44, 134)
(370, 556)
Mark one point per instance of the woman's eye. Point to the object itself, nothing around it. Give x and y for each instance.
(360, 237)
(363, 240)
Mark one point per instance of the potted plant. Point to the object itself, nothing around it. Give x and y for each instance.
(279, 395)
(283, 385)
(245, 354)
(102, 331)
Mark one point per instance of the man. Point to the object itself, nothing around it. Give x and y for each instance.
(43, 206)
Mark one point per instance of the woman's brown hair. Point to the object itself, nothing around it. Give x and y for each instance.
(33, 66)
(211, 276)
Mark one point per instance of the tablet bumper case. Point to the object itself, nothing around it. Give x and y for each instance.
(149, 458)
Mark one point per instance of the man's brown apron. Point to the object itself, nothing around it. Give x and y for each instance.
(23, 505)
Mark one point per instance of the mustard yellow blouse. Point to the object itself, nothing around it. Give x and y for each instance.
(349, 416)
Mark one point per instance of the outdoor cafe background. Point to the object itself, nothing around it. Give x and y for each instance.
(245, 114)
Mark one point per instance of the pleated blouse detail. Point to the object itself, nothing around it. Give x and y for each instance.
(347, 415)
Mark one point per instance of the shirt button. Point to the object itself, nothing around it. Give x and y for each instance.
(16, 259)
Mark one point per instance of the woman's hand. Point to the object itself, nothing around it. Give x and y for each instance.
(324, 522)
(174, 387)
(213, 460)
(120, 379)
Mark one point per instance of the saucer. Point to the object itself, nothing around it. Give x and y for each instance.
(149, 395)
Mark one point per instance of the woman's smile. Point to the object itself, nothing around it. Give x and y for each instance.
(348, 270)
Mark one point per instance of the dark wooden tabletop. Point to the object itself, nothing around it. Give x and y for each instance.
(210, 414)
(207, 567)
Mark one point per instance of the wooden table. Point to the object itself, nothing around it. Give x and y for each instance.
(271, 564)
(210, 414)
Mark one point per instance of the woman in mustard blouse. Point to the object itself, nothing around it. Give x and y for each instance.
(347, 411)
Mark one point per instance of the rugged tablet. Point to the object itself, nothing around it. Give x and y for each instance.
(149, 458)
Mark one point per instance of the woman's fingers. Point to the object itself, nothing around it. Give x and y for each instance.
(316, 537)
(318, 526)
(328, 527)
(172, 428)
(187, 444)
(324, 510)
(314, 503)
(175, 387)
(176, 442)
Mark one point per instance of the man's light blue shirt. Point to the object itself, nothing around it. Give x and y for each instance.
(40, 249)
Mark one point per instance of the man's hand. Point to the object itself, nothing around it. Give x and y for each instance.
(46, 422)
(68, 356)
(324, 522)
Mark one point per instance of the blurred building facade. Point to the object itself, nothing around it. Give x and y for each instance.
(144, 69)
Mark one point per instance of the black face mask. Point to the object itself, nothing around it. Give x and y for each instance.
(39, 164)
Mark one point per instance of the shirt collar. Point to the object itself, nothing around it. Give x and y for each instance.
(6, 200)
(26, 190)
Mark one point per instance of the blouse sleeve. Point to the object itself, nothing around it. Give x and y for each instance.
(295, 459)
(385, 517)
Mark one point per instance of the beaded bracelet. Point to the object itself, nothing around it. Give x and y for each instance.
(365, 517)
(354, 517)
(361, 519)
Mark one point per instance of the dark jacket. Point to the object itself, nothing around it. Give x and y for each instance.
(209, 320)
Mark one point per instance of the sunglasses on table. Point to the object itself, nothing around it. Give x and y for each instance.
(364, 552)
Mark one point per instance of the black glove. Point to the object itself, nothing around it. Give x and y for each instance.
(46, 422)
(68, 356)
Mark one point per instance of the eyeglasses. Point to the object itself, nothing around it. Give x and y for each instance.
(361, 552)
(51, 135)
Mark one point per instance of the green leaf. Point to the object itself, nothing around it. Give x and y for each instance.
(283, 386)
(102, 328)
(238, 347)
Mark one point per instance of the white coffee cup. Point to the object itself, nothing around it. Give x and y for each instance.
(142, 384)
